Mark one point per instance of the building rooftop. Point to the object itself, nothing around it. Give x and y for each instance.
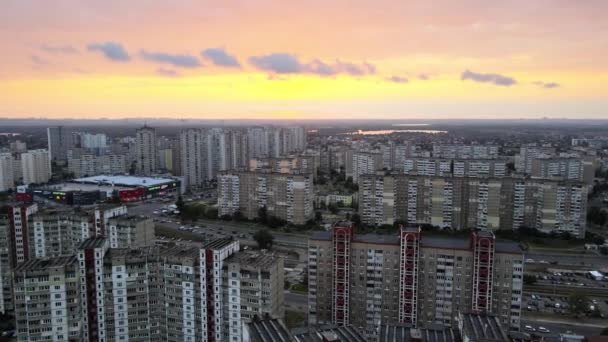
(482, 327)
(331, 334)
(218, 243)
(130, 181)
(66, 187)
(405, 333)
(39, 264)
(254, 259)
(268, 330)
(95, 242)
(446, 242)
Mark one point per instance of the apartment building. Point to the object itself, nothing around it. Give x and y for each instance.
(147, 294)
(369, 280)
(469, 202)
(528, 153)
(364, 163)
(7, 176)
(287, 196)
(461, 151)
(60, 141)
(576, 169)
(36, 167)
(193, 151)
(256, 281)
(85, 163)
(47, 300)
(455, 167)
(145, 150)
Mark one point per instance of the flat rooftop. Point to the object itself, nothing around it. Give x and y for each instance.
(405, 333)
(40, 264)
(447, 242)
(268, 330)
(254, 259)
(130, 181)
(337, 334)
(67, 187)
(481, 327)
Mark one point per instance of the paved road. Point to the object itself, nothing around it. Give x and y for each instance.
(280, 238)
(557, 326)
(564, 260)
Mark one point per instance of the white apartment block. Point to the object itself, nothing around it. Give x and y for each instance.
(365, 163)
(7, 177)
(145, 150)
(289, 197)
(36, 167)
(459, 151)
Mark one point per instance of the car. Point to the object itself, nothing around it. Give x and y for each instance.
(543, 262)
(530, 261)
(529, 328)
(557, 305)
(543, 330)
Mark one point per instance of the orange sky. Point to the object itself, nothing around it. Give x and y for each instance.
(304, 59)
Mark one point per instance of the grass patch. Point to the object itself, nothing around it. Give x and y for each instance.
(294, 319)
(299, 288)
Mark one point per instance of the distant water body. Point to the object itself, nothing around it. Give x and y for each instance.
(391, 131)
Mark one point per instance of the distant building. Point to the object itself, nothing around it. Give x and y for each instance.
(7, 177)
(36, 167)
(145, 146)
(470, 202)
(364, 163)
(461, 151)
(286, 196)
(60, 141)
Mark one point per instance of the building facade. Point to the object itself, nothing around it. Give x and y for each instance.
(369, 280)
(145, 150)
(36, 167)
(146, 294)
(289, 197)
(470, 202)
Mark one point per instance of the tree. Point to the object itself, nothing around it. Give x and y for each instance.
(578, 303)
(333, 209)
(238, 216)
(529, 279)
(180, 203)
(263, 215)
(356, 219)
(318, 216)
(264, 239)
(604, 332)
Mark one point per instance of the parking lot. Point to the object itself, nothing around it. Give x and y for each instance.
(558, 304)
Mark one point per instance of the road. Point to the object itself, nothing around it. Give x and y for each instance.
(560, 326)
(287, 239)
(562, 260)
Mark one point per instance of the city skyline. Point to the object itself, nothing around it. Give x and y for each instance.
(283, 60)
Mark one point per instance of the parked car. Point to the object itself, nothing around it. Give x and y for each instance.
(543, 330)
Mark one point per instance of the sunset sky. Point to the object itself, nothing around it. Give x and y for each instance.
(304, 59)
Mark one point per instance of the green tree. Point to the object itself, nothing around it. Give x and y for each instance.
(529, 279)
(318, 216)
(263, 215)
(238, 216)
(264, 239)
(578, 303)
(180, 203)
(333, 208)
(356, 219)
